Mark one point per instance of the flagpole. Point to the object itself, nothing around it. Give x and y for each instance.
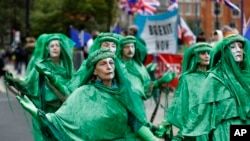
(196, 18)
(242, 16)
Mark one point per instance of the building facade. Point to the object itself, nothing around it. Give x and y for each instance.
(207, 15)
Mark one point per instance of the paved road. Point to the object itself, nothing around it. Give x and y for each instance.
(15, 125)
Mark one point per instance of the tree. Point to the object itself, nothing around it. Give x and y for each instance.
(12, 15)
(57, 15)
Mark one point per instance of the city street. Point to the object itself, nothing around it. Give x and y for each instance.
(15, 124)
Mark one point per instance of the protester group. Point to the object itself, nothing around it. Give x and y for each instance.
(104, 98)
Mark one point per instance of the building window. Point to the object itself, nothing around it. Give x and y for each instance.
(232, 24)
(216, 9)
(217, 25)
(180, 8)
(188, 9)
(197, 5)
(236, 13)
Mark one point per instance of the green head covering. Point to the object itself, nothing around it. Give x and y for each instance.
(234, 75)
(200, 47)
(102, 37)
(127, 40)
(222, 49)
(99, 55)
(124, 94)
(191, 56)
(41, 52)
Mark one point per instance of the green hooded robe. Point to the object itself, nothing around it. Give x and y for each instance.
(225, 98)
(33, 84)
(187, 92)
(137, 73)
(94, 111)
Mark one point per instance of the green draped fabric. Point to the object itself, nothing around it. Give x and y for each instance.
(77, 79)
(97, 112)
(141, 80)
(40, 56)
(187, 93)
(225, 94)
(138, 73)
(142, 47)
(106, 36)
(34, 85)
(106, 121)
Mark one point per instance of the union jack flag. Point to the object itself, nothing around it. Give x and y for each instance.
(172, 5)
(143, 7)
(229, 4)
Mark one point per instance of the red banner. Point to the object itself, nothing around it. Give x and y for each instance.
(167, 62)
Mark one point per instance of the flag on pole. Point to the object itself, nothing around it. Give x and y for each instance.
(229, 4)
(81, 38)
(247, 34)
(173, 5)
(246, 29)
(187, 36)
(143, 7)
(116, 29)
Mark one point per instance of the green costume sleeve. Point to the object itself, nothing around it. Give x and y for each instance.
(186, 96)
(142, 48)
(109, 119)
(84, 124)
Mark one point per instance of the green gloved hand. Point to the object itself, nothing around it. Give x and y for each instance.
(49, 76)
(8, 78)
(27, 104)
(17, 83)
(45, 72)
(178, 138)
(146, 134)
(166, 77)
(164, 129)
(151, 67)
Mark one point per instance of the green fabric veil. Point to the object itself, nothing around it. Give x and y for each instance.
(106, 36)
(187, 93)
(135, 66)
(41, 52)
(224, 93)
(121, 93)
(131, 68)
(191, 57)
(126, 40)
(124, 94)
(78, 77)
(236, 77)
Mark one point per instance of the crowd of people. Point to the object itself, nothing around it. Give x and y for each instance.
(104, 98)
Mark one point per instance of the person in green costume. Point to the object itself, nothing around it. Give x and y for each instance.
(141, 44)
(194, 71)
(129, 55)
(52, 53)
(106, 90)
(107, 40)
(224, 97)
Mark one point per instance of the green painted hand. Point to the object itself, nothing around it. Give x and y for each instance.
(167, 77)
(27, 104)
(164, 129)
(151, 67)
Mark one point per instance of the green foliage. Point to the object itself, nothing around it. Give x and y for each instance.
(12, 16)
(58, 15)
